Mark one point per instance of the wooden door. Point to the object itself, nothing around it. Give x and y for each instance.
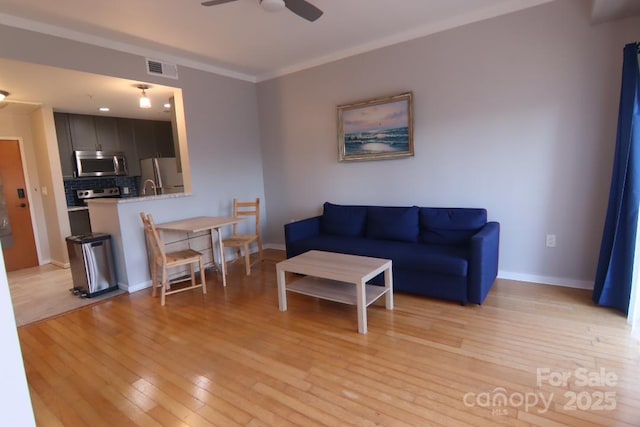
(23, 253)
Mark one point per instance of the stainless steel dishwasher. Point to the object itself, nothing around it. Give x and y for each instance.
(91, 262)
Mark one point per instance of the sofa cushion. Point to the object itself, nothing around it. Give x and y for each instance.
(450, 226)
(435, 259)
(393, 223)
(339, 220)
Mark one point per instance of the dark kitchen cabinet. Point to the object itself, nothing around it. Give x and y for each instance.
(83, 132)
(163, 138)
(65, 148)
(153, 138)
(127, 144)
(143, 136)
(93, 132)
(106, 133)
(136, 138)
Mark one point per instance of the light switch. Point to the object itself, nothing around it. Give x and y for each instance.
(45, 192)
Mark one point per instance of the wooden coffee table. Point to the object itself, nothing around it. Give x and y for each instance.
(337, 277)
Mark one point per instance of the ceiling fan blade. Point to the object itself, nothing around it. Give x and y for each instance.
(215, 2)
(303, 9)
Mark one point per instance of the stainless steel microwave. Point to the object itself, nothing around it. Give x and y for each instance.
(100, 163)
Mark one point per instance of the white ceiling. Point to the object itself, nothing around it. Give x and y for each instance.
(242, 38)
(237, 39)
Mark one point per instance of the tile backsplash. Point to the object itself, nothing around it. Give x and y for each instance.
(74, 184)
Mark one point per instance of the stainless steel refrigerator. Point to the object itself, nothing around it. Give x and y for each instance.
(163, 172)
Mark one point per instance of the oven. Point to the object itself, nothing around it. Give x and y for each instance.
(79, 215)
(82, 196)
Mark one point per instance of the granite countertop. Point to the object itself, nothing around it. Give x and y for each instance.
(77, 208)
(114, 201)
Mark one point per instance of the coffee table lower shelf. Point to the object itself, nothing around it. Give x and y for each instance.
(336, 277)
(333, 290)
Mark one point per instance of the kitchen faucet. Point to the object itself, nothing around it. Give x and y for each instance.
(153, 186)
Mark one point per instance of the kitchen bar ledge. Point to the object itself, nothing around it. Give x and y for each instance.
(111, 201)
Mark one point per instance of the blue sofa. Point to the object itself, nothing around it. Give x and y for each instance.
(446, 253)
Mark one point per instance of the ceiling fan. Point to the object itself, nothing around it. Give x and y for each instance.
(302, 8)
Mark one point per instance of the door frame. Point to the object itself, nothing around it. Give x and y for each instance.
(27, 181)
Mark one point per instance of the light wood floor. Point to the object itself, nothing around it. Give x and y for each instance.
(41, 292)
(231, 358)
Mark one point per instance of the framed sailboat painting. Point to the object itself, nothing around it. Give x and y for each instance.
(376, 129)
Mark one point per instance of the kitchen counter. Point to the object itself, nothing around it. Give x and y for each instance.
(114, 201)
(77, 208)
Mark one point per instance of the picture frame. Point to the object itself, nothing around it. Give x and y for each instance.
(376, 129)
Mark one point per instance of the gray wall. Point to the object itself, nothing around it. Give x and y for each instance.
(516, 114)
(221, 120)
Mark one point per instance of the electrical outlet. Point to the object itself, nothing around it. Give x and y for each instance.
(551, 240)
(125, 190)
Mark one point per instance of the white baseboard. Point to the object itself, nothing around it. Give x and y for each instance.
(275, 246)
(60, 264)
(135, 288)
(545, 280)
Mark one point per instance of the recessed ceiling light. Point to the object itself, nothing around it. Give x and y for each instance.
(104, 109)
(3, 95)
(167, 105)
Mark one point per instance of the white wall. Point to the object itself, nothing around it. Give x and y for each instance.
(54, 205)
(15, 405)
(516, 114)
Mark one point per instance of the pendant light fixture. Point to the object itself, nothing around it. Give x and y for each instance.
(144, 100)
(3, 95)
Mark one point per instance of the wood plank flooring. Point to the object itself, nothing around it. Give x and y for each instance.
(230, 358)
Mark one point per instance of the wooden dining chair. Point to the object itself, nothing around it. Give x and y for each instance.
(244, 241)
(165, 260)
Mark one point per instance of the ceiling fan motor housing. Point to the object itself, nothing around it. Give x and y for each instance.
(272, 5)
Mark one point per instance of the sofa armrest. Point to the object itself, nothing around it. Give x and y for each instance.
(483, 261)
(300, 230)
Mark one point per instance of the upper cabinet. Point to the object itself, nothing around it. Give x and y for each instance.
(127, 144)
(163, 139)
(143, 137)
(138, 139)
(64, 144)
(83, 132)
(106, 133)
(93, 132)
(153, 139)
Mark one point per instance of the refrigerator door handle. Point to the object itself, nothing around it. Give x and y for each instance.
(158, 175)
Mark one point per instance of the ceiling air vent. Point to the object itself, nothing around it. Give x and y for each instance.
(164, 69)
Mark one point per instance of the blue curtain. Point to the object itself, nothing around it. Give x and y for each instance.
(615, 267)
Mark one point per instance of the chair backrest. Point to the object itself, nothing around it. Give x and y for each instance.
(241, 209)
(157, 247)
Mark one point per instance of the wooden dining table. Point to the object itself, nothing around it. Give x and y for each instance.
(205, 223)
